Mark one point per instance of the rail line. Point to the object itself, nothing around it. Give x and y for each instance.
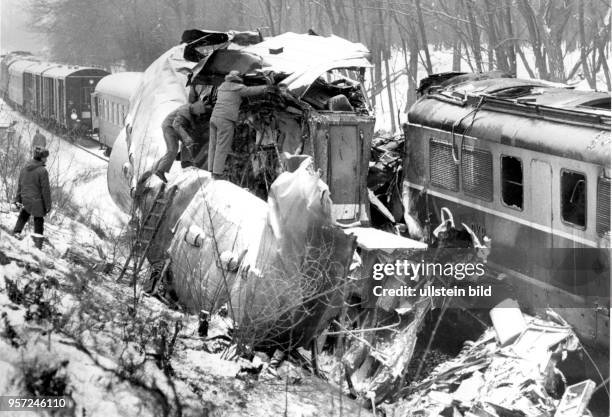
(89, 151)
(5, 106)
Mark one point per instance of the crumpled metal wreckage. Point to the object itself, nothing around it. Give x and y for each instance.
(313, 152)
(278, 267)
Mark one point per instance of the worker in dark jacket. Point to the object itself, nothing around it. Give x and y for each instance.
(34, 196)
(39, 142)
(224, 117)
(182, 125)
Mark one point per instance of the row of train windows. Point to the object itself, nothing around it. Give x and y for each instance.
(477, 181)
(110, 111)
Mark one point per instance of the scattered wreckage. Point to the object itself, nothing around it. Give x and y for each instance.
(279, 269)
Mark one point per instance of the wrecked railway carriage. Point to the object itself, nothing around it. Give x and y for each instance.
(276, 265)
(260, 260)
(321, 110)
(525, 163)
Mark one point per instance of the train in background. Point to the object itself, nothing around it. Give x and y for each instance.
(110, 103)
(57, 95)
(525, 163)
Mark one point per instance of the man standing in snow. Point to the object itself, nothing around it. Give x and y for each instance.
(182, 125)
(224, 117)
(39, 142)
(34, 196)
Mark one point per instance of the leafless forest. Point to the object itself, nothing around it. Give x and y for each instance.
(484, 34)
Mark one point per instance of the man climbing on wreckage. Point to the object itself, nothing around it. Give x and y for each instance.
(224, 117)
(185, 125)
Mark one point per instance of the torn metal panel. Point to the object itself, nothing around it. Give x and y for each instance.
(199, 41)
(305, 57)
(488, 379)
(215, 66)
(321, 111)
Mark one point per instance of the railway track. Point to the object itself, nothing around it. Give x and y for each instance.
(83, 148)
(13, 114)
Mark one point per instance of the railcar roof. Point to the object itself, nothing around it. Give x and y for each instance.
(40, 68)
(538, 92)
(22, 65)
(120, 84)
(63, 71)
(301, 57)
(530, 114)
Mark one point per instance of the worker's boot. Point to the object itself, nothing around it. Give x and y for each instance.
(38, 241)
(162, 176)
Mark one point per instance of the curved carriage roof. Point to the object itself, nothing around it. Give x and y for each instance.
(21, 65)
(120, 84)
(538, 92)
(39, 68)
(530, 114)
(63, 71)
(12, 57)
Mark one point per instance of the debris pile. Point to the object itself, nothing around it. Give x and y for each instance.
(385, 178)
(491, 379)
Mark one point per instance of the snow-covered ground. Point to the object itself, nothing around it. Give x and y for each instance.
(81, 174)
(66, 328)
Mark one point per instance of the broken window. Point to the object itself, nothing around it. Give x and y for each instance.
(512, 182)
(573, 198)
(603, 206)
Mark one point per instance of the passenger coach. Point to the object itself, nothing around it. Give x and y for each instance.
(110, 104)
(66, 95)
(59, 95)
(527, 164)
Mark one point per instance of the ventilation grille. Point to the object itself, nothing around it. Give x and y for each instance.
(477, 173)
(443, 171)
(603, 206)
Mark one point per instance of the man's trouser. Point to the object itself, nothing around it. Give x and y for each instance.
(39, 226)
(220, 143)
(172, 146)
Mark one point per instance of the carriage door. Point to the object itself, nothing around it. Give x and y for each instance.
(541, 208)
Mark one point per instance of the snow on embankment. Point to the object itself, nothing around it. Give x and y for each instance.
(68, 328)
(80, 175)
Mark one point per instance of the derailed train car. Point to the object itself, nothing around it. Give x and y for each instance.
(216, 250)
(527, 164)
(322, 110)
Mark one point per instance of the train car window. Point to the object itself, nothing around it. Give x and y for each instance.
(603, 206)
(443, 172)
(477, 173)
(573, 198)
(87, 95)
(512, 182)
